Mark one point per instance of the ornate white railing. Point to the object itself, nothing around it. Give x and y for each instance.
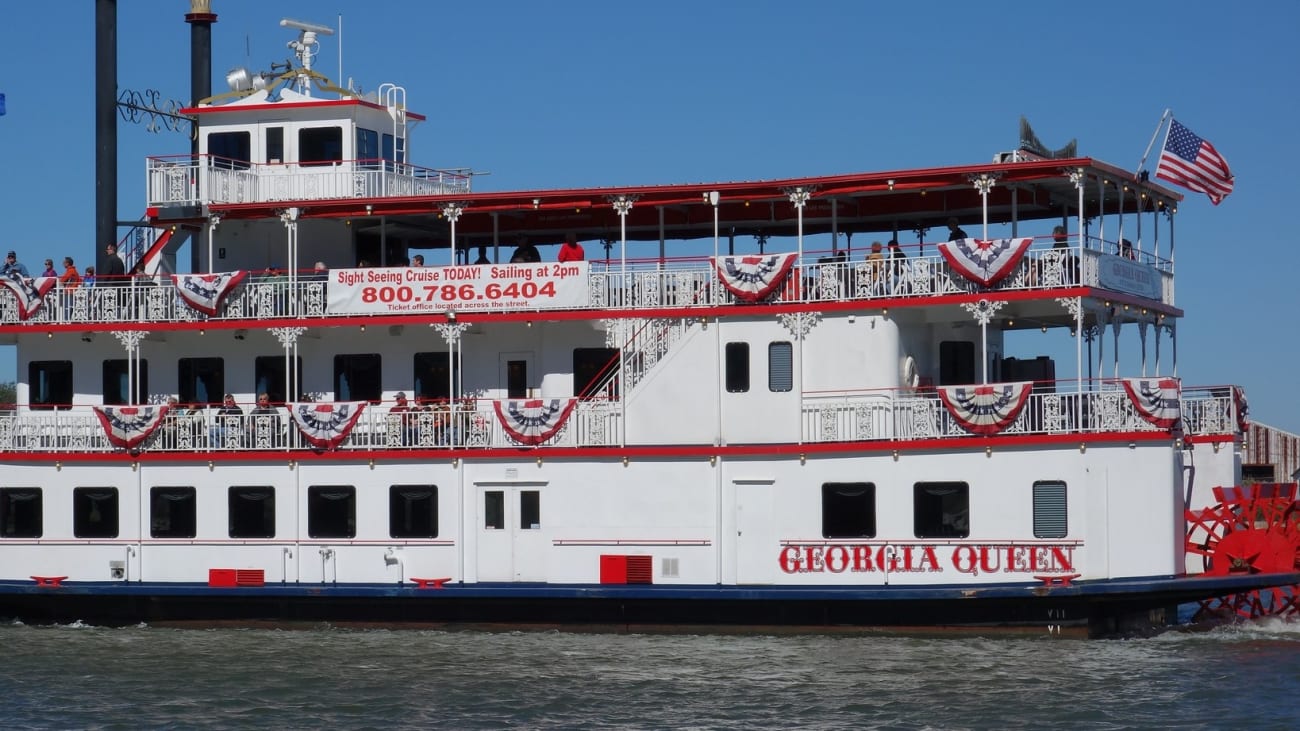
(874, 416)
(683, 285)
(186, 180)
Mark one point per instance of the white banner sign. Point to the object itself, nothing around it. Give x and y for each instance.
(1124, 275)
(485, 287)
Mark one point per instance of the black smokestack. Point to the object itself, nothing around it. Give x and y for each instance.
(105, 126)
(200, 19)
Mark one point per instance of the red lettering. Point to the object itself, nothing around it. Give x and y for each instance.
(862, 558)
(812, 559)
(789, 559)
(965, 560)
(987, 564)
(1063, 558)
(929, 562)
(836, 559)
(1017, 560)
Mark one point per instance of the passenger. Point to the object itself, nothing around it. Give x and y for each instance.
(320, 272)
(954, 231)
(13, 266)
(49, 269)
(526, 253)
(265, 419)
(69, 279)
(571, 250)
(115, 272)
(898, 262)
(1126, 249)
(1060, 240)
(417, 260)
(876, 268)
(408, 419)
(482, 256)
(88, 279)
(226, 425)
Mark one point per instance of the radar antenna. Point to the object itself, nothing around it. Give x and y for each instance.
(305, 47)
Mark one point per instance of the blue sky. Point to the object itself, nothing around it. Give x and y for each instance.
(549, 95)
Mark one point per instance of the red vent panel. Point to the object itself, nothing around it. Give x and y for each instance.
(626, 569)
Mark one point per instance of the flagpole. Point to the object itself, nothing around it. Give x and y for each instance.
(1142, 163)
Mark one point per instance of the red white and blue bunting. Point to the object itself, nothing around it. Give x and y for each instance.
(326, 425)
(205, 292)
(532, 422)
(128, 426)
(1158, 400)
(753, 278)
(986, 409)
(30, 293)
(984, 262)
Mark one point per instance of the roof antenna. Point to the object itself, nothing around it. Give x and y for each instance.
(305, 48)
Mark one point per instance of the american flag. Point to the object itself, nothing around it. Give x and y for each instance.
(1193, 163)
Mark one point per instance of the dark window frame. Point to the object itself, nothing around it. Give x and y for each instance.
(365, 377)
(190, 372)
(263, 495)
(737, 367)
(320, 146)
(115, 371)
(172, 497)
(405, 514)
(17, 516)
(838, 499)
(87, 502)
(49, 384)
(941, 509)
(332, 511)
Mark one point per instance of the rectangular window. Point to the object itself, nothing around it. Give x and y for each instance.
(941, 509)
(530, 509)
(494, 510)
(275, 145)
(1050, 509)
(432, 381)
(49, 384)
(516, 379)
(357, 377)
(737, 367)
(252, 512)
(20, 512)
(595, 373)
(116, 385)
(780, 367)
(956, 363)
(200, 380)
(395, 152)
(172, 512)
(230, 150)
(848, 510)
(268, 378)
(94, 512)
(320, 146)
(367, 148)
(413, 511)
(332, 511)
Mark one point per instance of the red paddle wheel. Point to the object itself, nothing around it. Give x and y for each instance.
(1253, 529)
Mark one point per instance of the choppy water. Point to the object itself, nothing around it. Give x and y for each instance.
(142, 677)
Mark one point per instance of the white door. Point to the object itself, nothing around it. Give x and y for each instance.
(511, 543)
(756, 547)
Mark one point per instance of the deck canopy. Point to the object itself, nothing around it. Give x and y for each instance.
(916, 203)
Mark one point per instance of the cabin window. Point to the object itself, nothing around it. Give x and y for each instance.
(367, 148)
(432, 381)
(413, 511)
(357, 377)
(494, 510)
(200, 380)
(1050, 509)
(956, 363)
(117, 387)
(230, 150)
(737, 367)
(49, 384)
(252, 511)
(516, 379)
(595, 373)
(395, 153)
(780, 367)
(848, 510)
(275, 145)
(320, 146)
(332, 511)
(172, 512)
(941, 509)
(20, 512)
(268, 378)
(530, 509)
(94, 512)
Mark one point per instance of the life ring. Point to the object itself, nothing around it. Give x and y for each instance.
(911, 377)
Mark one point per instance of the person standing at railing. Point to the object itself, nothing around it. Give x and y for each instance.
(88, 279)
(13, 266)
(876, 269)
(69, 279)
(49, 269)
(571, 250)
(898, 263)
(226, 423)
(954, 231)
(114, 271)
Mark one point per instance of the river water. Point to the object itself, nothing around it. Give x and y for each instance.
(75, 676)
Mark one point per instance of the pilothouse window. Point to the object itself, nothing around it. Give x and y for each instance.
(320, 146)
(230, 150)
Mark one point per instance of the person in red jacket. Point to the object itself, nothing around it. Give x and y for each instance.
(571, 250)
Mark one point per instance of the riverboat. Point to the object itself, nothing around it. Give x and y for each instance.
(730, 409)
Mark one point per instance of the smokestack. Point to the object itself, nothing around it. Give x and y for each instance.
(105, 127)
(200, 19)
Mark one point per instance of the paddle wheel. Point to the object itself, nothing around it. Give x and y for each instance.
(1252, 529)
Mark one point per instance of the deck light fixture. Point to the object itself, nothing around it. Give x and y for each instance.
(891, 183)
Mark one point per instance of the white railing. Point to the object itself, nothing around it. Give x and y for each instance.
(683, 285)
(188, 180)
(859, 417)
